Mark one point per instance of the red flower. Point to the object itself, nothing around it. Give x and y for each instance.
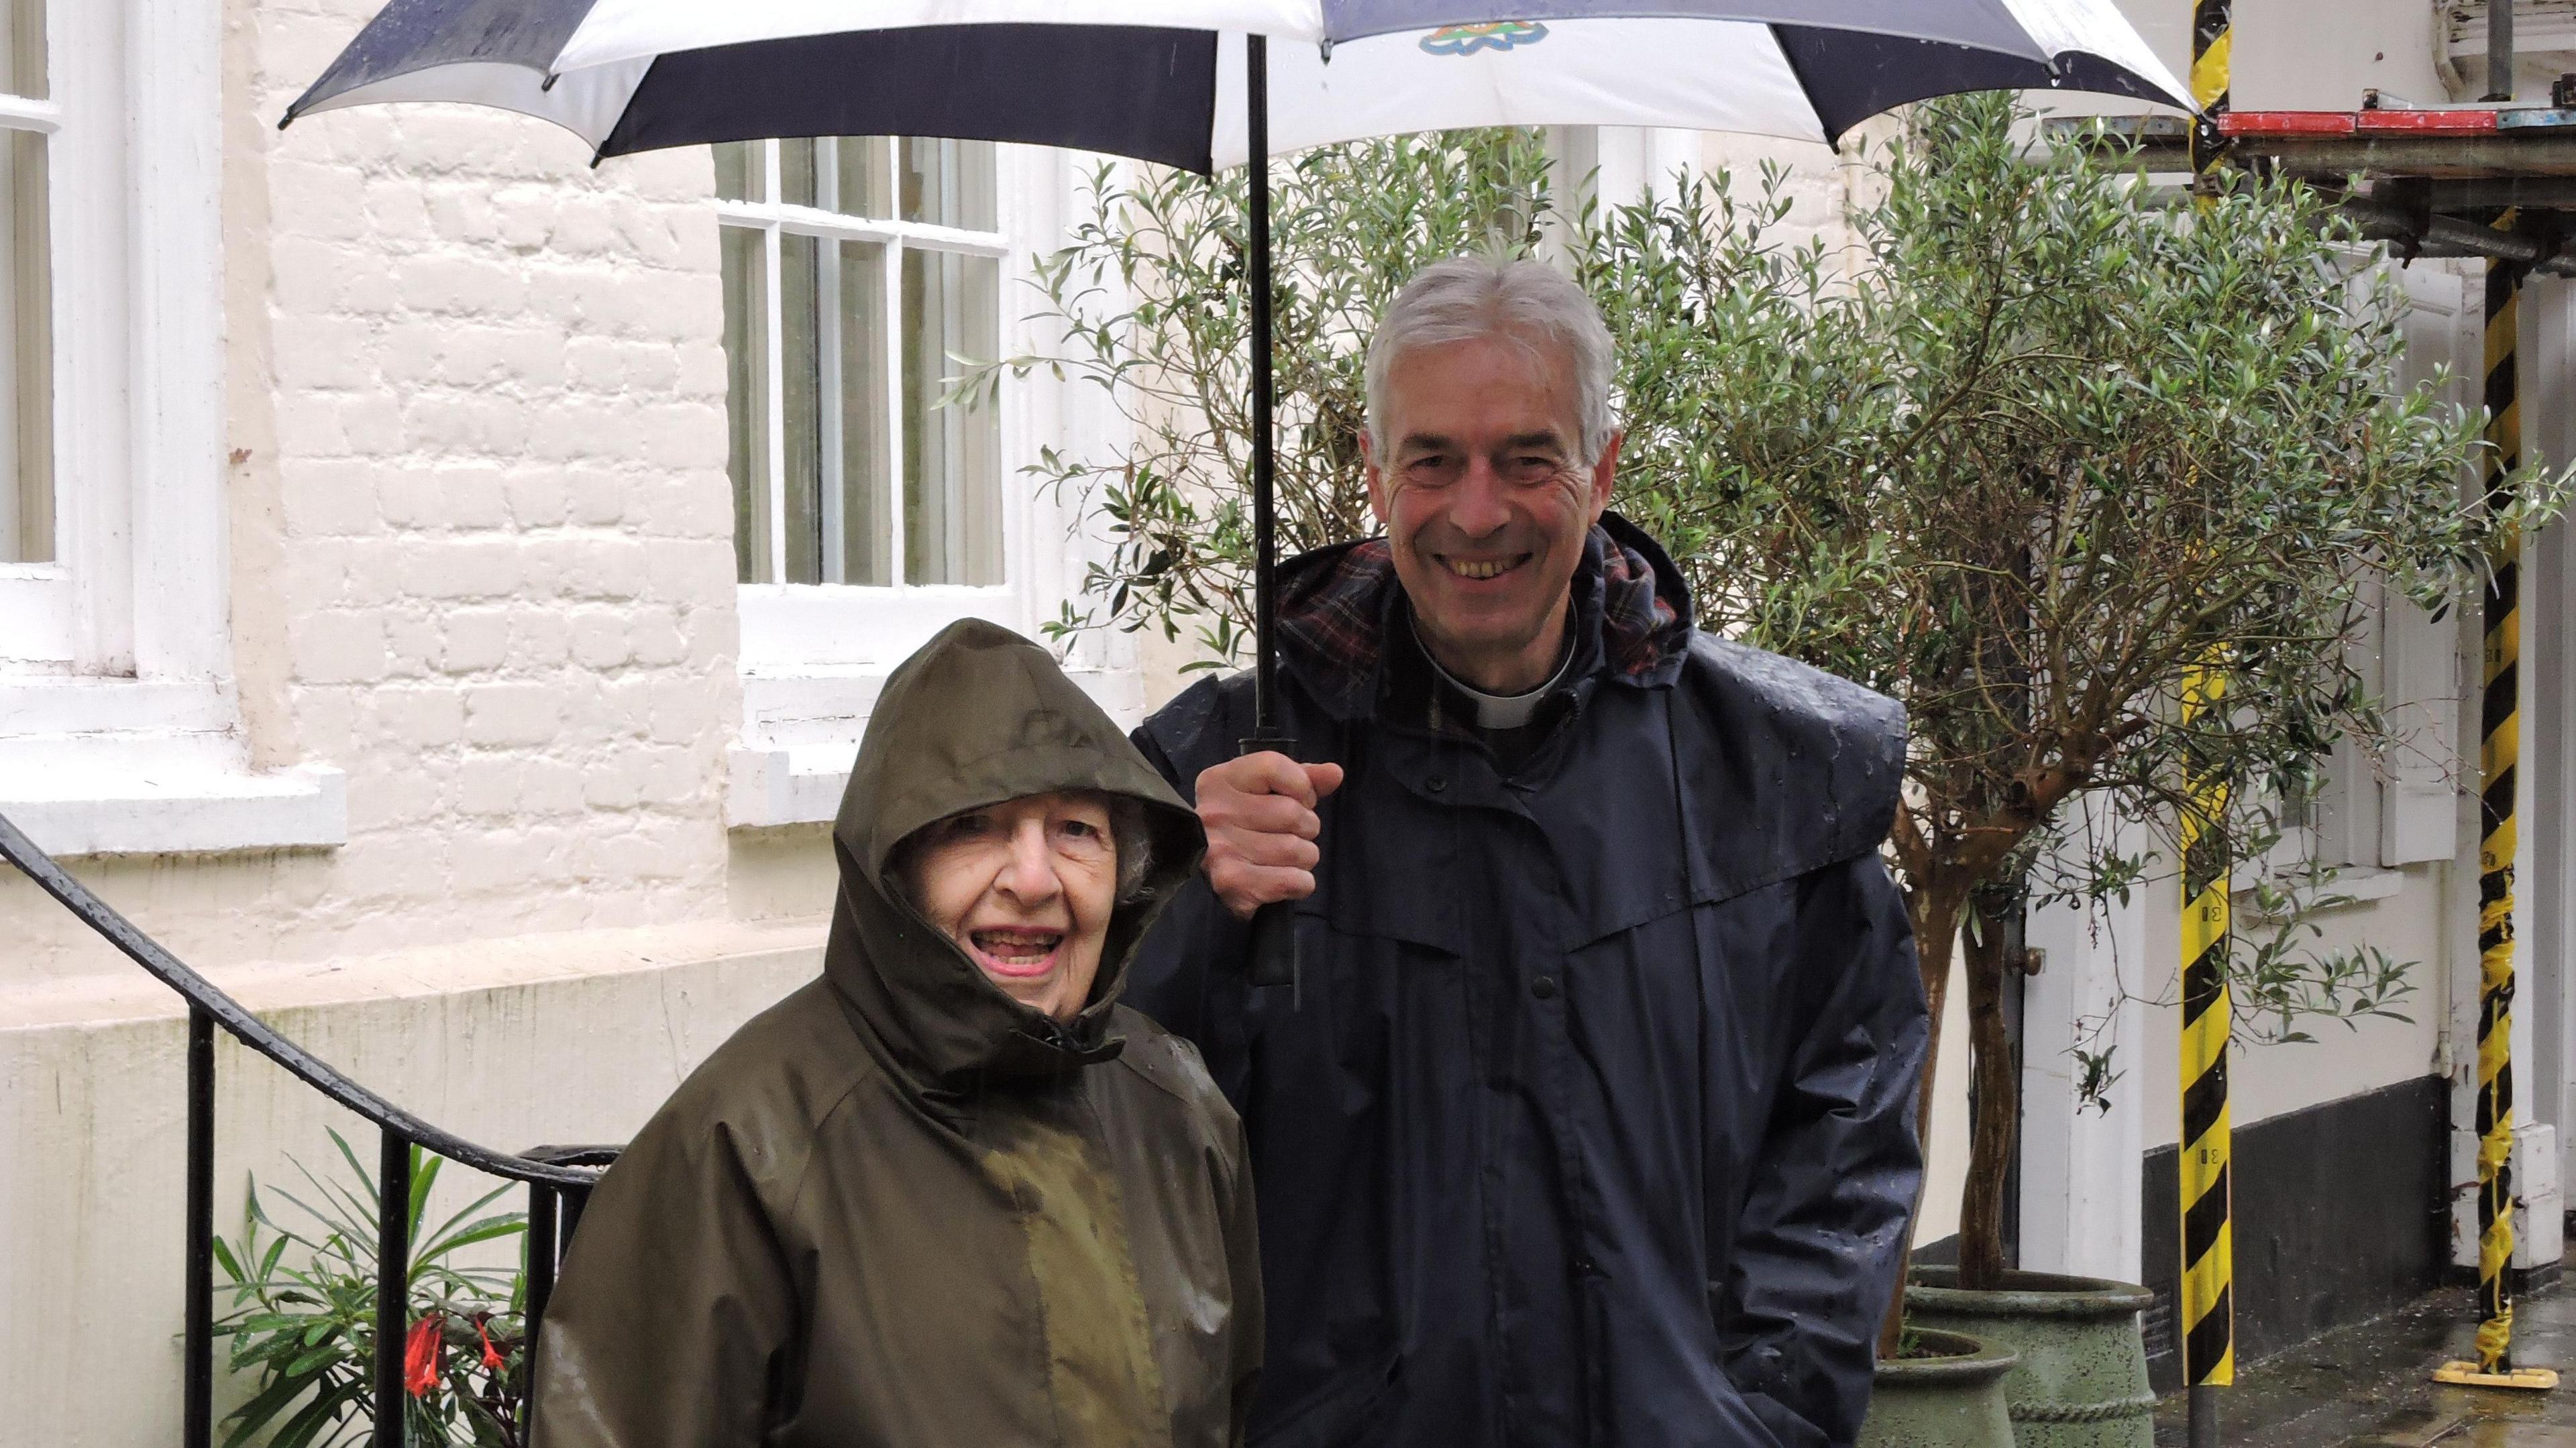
(491, 1355)
(420, 1355)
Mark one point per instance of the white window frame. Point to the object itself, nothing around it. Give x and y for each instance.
(773, 220)
(39, 602)
(119, 728)
(2374, 818)
(813, 656)
(137, 284)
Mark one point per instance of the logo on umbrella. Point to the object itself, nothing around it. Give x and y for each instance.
(1493, 35)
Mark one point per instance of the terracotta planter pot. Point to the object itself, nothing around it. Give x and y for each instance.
(1955, 1400)
(2082, 1377)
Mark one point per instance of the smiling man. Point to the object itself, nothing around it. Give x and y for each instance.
(1590, 1121)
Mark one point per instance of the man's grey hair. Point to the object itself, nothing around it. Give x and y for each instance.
(1468, 297)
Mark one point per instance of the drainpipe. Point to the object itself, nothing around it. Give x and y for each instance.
(2499, 50)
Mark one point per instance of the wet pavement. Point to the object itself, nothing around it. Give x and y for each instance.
(2371, 1385)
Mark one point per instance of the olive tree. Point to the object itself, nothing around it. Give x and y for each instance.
(2054, 451)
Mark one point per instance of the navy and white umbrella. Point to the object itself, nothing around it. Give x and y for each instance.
(1164, 80)
(1204, 84)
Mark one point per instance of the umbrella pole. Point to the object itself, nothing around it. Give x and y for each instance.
(1274, 926)
(1265, 462)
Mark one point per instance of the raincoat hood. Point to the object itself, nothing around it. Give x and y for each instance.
(980, 716)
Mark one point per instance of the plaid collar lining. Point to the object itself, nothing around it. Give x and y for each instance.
(1337, 605)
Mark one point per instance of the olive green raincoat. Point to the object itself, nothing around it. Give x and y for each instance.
(900, 1208)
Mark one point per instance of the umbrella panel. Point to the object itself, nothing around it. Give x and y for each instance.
(1144, 93)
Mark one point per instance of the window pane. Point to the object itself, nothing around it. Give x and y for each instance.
(746, 343)
(801, 388)
(948, 183)
(867, 187)
(866, 552)
(796, 171)
(741, 172)
(22, 46)
(951, 455)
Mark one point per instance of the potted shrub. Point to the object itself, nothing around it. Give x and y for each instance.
(1941, 1390)
(2080, 1374)
(2047, 451)
(302, 1317)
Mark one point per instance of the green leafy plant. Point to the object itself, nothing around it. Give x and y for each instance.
(303, 1317)
(1151, 305)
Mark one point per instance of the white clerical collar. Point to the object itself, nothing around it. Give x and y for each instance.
(1502, 711)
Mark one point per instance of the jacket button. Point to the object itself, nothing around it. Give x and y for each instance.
(1544, 987)
(1436, 783)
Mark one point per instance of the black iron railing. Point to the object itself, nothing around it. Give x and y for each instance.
(559, 1179)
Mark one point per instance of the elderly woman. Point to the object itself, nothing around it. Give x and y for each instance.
(951, 1193)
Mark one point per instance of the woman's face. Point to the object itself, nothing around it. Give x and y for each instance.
(1025, 888)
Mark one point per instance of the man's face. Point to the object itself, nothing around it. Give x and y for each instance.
(1485, 502)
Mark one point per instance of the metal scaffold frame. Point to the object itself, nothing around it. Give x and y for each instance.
(2494, 181)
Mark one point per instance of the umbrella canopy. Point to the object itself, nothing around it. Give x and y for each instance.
(1164, 80)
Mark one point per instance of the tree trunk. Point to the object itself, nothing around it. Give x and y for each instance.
(1935, 911)
(1998, 1096)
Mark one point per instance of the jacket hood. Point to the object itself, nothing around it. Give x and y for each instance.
(1338, 603)
(978, 716)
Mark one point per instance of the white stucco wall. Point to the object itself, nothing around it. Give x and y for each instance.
(538, 1040)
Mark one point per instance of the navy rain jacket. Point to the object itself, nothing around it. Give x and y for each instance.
(1594, 1123)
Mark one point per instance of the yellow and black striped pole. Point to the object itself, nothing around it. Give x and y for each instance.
(2499, 735)
(2208, 1313)
(2500, 731)
(2213, 38)
(2208, 1016)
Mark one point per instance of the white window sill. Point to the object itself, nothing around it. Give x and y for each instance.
(792, 785)
(803, 730)
(184, 814)
(2360, 884)
(122, 767)
(2353, 885)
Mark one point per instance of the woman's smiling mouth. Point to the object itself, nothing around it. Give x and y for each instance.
(1015, 951)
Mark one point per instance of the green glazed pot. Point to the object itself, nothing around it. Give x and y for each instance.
(1952, 1401)
(2082, 1378)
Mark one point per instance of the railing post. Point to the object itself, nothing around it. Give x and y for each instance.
(393, 1281)
(197, 1393)
(541, 1279)
(574, 1200)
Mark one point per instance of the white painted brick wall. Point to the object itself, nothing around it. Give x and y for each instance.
(481, 561)
(481, 386)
